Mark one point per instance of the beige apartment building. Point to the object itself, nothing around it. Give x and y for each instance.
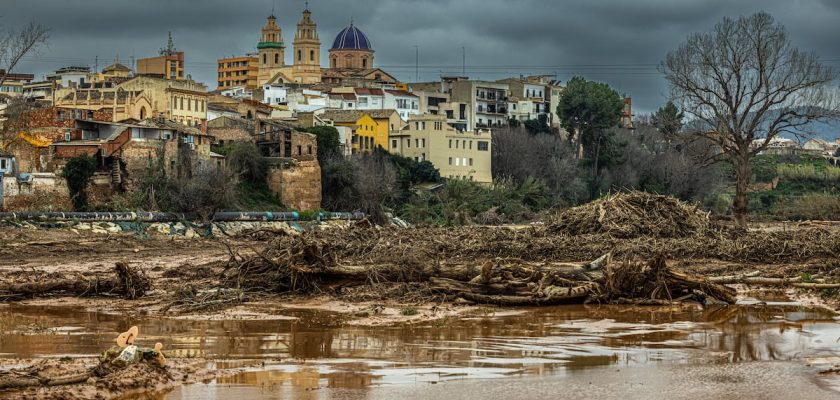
(457, 154)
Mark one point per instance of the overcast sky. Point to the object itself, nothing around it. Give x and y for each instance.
(615, 41)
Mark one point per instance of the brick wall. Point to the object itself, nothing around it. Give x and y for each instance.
(298, 185)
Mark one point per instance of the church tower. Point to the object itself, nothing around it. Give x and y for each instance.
(307, 50)
(271, 50)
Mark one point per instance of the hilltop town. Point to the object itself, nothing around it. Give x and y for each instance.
(124, 116)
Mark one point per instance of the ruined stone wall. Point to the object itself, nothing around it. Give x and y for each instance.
(136, 158)
(297, 184)
(225, 136)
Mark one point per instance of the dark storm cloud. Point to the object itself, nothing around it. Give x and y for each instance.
(615, 41)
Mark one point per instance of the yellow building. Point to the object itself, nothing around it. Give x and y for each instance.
(169, 65)
(457, 155)
(238, 71)
(367, 134)
(113, 71)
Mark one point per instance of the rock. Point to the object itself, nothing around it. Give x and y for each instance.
(136, 250)
(83, 226)
(99, 230)
(190, 234)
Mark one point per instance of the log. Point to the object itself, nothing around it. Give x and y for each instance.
(506, 296)
(10, 381)
(126, 282)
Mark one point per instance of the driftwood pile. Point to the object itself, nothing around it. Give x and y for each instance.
(126, 282)
(633, 215)
(306, 264)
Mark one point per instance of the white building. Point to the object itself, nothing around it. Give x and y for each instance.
(70, 76)
(406, 103)
(237, 92)
(275, 95)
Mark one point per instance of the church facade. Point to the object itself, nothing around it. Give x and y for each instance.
(351, 56)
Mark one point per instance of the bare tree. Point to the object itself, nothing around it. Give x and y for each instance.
(747, 84)
(14, 45)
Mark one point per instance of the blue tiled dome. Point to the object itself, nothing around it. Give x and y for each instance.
(351, 38)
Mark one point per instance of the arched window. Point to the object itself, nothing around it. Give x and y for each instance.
(300, 55)
(364, 63)
(276, 58)
(334, 63)
(265, 58)
(311, 55)
(142, 112)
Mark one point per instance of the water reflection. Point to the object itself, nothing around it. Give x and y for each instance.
(317, 351)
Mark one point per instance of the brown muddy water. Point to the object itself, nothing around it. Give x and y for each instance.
(738, 352)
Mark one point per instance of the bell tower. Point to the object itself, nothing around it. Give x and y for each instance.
(271, 49)
(307, 50)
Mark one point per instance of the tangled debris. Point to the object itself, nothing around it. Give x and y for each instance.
(634, 215)
(127, 282)
(309, 264)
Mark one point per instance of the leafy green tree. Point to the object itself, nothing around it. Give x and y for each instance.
(329, 143)
(78, 172)
(669, 120)
(587, 107)
(539, 125)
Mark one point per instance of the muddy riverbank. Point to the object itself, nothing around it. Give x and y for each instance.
(386, 336)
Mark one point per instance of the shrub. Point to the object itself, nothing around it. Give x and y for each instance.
(78, 172)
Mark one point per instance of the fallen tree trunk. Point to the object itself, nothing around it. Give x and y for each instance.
(15, 381)
(126, 282)
(302, 265)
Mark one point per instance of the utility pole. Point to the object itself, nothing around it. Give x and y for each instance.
(416, 63)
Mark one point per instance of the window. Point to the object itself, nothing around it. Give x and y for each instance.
(471, 162)
(265, 58)
(364, 63)
(2, 164)
(456, 143)
(450, 163)
(423, 157)
(457, 162)
(61, 115)
(182, 103)
(424, 125)
(309, 150)
(463, 144)
(300, 55)
(450, 143)
(408, 143)
(189, 105)
(277, 59)
(300, 151)
(470, 144)
(311, 55)
(394, 144)
(483, 145)
(416, 142)
(423, 142)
